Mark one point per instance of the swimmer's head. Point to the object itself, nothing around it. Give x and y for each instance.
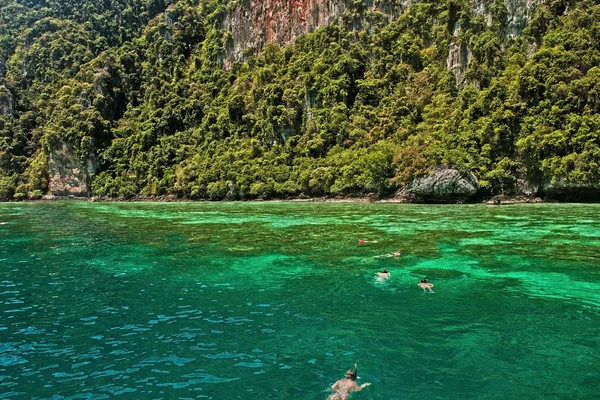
(385, 271)
(423, 280)
(351, 374)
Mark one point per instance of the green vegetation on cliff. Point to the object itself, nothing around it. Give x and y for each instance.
(357, 107)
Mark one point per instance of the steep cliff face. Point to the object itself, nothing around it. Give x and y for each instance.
(459, 57)
(518, 13)
(7, 106)
(258, 22)
(255, 23)
(68, 175)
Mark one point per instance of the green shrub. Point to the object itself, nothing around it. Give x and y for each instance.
(35, 195)
(7, 188)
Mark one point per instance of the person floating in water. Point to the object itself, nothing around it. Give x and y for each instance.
(345, 386)
(383, 274)
(362, 241)
(427, 287)
(393, 254)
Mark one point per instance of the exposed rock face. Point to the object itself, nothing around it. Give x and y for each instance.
(7, 106)
(519, 12)
(255, 23)
(459, 57)
(444, 185)
(577, 193)
(517, 18)
(525, 188)
(68, 175)
(482, 8)
(258, 22)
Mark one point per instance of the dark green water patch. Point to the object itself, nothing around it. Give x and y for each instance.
(437, 273)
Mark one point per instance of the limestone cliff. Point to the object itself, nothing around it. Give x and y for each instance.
(254, 23)
(518, 13)
(444, 185)
(459, 57)
(68, 175)
(7, 106)
(571, 192)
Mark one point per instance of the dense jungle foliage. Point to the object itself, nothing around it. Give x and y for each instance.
(138, 89)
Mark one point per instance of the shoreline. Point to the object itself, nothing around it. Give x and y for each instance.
(505, 200)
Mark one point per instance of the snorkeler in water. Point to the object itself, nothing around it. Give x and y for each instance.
(383, 274)
(426, 286)
(343, 387)
(362, 241)
(392, 254)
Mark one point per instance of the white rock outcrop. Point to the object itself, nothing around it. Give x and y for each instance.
(445, 185)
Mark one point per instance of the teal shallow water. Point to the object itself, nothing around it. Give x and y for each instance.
(277, 300)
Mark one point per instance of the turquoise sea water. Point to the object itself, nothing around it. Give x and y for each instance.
(278, 300)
